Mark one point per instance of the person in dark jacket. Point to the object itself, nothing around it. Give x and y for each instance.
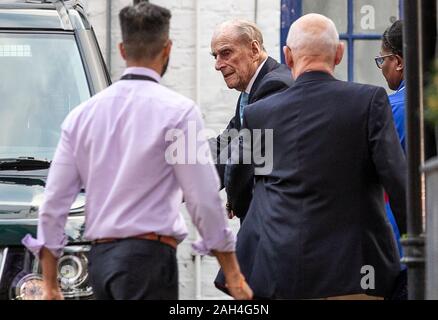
(316, 227)
(237, 47)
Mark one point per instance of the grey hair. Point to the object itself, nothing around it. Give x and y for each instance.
(316, 39)
(245, 30)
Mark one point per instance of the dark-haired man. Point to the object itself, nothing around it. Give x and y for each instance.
(115, 146)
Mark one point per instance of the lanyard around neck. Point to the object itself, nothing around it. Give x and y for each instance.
(131, 76)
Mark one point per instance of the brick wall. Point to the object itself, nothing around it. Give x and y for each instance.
(216, 101)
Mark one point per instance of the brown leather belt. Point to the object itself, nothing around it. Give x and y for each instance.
(147, 236)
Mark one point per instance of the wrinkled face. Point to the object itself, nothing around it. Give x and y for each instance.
(389, 69)
(235, 60)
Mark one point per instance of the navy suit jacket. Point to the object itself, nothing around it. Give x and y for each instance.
(272, 78)
(317, 223)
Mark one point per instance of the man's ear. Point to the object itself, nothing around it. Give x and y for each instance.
(122, 50)
(256, 49)
(288, 58)
(339, 53)
(167, 49)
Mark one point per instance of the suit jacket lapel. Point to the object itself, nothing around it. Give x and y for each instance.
(269, 65)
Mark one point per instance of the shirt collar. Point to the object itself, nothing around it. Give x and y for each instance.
(143, 71)
(402, 86)
(254, 77)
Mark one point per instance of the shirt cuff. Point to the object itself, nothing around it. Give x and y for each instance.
(226, 243)
(35, 246)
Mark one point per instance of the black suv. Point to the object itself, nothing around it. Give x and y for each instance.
(50, 62)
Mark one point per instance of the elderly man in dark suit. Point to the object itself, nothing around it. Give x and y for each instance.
(237, 46)
(316, 227)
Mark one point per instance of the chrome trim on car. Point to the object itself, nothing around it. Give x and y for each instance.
(33, 221)
(85, 293)
(3, 262)
(63, 14)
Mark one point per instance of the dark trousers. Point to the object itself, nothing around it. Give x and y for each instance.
(133, 269)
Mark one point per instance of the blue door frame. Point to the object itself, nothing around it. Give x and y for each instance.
(291, 10)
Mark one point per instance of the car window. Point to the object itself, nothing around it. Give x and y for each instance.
(42, 80)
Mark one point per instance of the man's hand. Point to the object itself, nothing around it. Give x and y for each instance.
(52, 293)
(235, 281)
(238, 287)
(49, 264)
(230, 211)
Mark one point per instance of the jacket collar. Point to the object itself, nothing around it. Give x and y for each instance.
(269, 65)
(254, 77)
(401, 87)
(314, 76)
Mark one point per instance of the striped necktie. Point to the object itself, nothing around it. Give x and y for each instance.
(243, 103)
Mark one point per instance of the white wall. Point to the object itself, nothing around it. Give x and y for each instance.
(217, 102)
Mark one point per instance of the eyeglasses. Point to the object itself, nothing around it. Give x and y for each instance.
(379, 60)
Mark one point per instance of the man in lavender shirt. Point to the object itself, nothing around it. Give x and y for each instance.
(115, 146)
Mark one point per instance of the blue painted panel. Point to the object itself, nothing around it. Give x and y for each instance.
(291, 10)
